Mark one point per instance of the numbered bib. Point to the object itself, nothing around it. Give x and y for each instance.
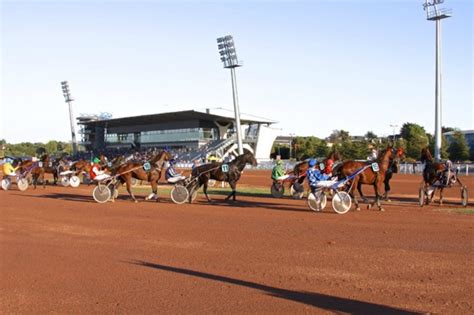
(375, 167)
(322, 166)
(40, 164)
(50, 164)
(147, 166)
(225, 168)
(109, 164)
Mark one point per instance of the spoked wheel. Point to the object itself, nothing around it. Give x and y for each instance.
(464, 196)
(101, 193)
(22, 184)
(65, 181)
(277, 190)
(179, 194)
(211, 182)
(297, 190)
(134, 182)
(74, 181)
(341, 202)
(421, 196)
(317, 201)
(6, 183)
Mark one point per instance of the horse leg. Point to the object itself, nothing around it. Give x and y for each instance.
(42, 178)
(377, 197)
(128, 181)
(359, 189)
(441, 196)
(154, 193)
(232, 184)
(204, 189)
(387, 189)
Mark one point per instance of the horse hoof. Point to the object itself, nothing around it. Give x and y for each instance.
(358, 209)
(369, 206)
(382, 209)
(135, 201)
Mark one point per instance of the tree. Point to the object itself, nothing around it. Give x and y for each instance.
(370, 137)
(444, 145)
(458, 148)
(51, 147)
(416, 139)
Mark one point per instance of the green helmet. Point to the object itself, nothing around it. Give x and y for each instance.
(279, 162)
(96, 160)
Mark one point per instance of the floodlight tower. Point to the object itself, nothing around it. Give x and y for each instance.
(433, 13)
(229, 59)
(393, 132)
(68, 99)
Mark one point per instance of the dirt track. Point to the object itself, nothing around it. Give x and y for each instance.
(62, 252)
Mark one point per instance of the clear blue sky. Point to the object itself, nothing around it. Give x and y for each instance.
(314, 66)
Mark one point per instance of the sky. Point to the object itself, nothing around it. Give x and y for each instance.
(313, 66)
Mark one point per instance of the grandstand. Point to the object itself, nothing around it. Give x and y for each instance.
(193, 134)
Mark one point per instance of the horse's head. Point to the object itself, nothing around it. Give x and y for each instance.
(249, 158)
(425, 155)
(159, 159)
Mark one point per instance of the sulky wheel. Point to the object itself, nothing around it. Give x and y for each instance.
(317, 201)
(101, 193)
(22, 184)
(179, 194)
(6, 183)
(341, 202)
(134, 182)
(74, 181)
(421, 196)
(464, 196)
(64, 181)
(277, 190)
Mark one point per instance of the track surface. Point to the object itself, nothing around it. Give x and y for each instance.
(61, 252)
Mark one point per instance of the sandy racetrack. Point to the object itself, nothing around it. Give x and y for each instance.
(62, 252)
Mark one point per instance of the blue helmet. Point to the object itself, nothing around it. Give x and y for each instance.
(172, 161)
(312, 162)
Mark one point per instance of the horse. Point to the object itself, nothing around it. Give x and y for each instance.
(433, 173)
(368, 176)
(218, 171)
(131, 169)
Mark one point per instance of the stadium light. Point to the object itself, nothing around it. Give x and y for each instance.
(229, 58)
(68, 99)
(434, 13)
(393, 132)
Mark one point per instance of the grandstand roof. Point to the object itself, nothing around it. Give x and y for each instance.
(220, 115)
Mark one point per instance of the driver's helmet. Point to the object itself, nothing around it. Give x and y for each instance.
(279, 162)
(312, 162)
(96, 160)
(9, 160)
(172, 162)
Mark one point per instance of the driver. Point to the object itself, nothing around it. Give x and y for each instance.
(278, 171)
(10, 167)
(171, 175)
(315, 177)
(95, 172)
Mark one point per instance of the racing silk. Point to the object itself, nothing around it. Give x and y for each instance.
(95, 170)
(278, 171)
(171, 172)
(314, 176)
(329, 165)
(8, 169)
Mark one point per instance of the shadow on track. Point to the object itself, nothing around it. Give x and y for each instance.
(323, 301)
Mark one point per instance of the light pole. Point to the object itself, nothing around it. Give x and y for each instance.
(68, 99)
(433, 13)
(292, 135)
(229, 59)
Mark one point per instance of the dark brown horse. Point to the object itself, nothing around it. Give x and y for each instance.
(368, 176)
(132, 169)
(45, 165)
(433, 176)
(219, 171)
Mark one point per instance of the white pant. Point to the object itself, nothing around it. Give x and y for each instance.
(283, 177)
(101, 177)
(175, 179)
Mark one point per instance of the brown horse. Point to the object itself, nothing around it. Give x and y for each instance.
(368, 176)
(45, 165)
(129, 170)
(219, 171)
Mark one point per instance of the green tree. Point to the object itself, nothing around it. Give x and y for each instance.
(458, 148)
(444, 145)
(416, 139)
(51, 147)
